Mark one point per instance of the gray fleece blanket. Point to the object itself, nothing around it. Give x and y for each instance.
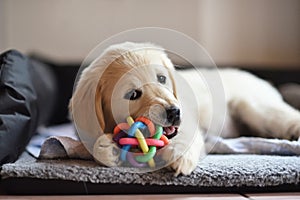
(65, 147)
(62, 142)
(213, 171)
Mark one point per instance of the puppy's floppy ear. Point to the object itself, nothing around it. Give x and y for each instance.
(82, 108)
(98, 106)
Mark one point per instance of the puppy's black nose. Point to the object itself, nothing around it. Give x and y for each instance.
(173, 115)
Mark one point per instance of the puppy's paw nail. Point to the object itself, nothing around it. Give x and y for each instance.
(116, 151)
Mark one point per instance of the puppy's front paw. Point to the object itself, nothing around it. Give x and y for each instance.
(106, 151)
(184, 165)
(181, 163)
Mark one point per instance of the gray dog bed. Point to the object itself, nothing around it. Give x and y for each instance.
(68, 170)
(218, 173)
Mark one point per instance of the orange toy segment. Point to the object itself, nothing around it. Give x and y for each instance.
(120, 127)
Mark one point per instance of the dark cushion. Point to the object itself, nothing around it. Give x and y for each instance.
(65, 74)
(27, 96)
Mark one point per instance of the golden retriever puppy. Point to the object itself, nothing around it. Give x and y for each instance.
(137, 79)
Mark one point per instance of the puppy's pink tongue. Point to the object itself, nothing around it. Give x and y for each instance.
(169, 130)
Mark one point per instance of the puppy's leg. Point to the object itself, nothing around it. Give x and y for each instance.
(269, 117)
(185, 162)
(106, 151)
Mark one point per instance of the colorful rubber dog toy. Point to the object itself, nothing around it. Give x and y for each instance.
(137, 149)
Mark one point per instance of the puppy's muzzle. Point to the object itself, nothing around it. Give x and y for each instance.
(173, 115)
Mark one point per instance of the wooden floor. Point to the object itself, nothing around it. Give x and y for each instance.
(262, 196)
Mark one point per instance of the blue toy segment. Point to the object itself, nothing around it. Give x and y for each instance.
(124, 151)
(134, 128)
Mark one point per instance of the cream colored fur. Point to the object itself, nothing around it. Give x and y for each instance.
(248, 98)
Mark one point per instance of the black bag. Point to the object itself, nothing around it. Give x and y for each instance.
(27, 97)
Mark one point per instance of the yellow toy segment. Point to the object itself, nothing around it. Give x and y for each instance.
(142, 142)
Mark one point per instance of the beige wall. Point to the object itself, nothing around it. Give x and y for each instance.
(236, 32)
(69, 29)
(256, 32)
(2, 25)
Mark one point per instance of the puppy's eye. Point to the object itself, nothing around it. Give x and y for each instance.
(133, 95)
(161, 78)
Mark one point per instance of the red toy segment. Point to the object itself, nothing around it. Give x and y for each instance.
(134, 141)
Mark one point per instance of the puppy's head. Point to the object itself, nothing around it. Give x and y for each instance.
(137, 81)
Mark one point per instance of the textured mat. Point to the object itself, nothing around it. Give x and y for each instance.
(213, 171)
